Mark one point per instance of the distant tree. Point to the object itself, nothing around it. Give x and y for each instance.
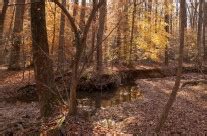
(132, 30)
(14, 63)
(54, 30)
(199, 34)
(61, 53)
(125, 30)
(167, 29)
(100, 34)
(2, 20)
(75, 8)
(205, 31)
(118, 37)
(192, 8)
(82, 14)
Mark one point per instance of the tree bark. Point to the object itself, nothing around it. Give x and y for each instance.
(125, 31)
(2, 19)
(75, 8)
(167, 29)
(80, 44)
(205, 31)
(132, 30)
(52, 109)
(102, 21)
(199, 34)
(14, 63)
(176, 87)
(54, 30)
(82, 14)
(61, 53)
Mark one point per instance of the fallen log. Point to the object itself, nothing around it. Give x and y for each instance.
(193, 83)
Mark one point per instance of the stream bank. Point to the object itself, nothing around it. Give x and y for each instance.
(120, 112)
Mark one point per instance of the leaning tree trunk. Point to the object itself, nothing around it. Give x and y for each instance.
(61, 53)
(102, 21)
(52, 109)
(2, 19)
(179, 72)
(14, 63)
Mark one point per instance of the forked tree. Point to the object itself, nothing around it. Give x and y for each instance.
(80, 44)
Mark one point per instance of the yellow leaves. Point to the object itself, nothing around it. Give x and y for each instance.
(160, 40)
(152, 39)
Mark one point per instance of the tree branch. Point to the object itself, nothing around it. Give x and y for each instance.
(70, 18)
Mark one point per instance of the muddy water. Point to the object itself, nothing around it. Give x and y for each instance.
(104, 99)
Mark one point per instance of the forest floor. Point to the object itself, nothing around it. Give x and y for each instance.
(188, 115)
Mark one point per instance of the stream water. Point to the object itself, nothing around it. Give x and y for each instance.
(103, 99)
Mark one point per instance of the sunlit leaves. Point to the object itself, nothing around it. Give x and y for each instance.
(152, 38)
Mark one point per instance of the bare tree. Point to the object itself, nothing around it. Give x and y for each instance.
(80, 44)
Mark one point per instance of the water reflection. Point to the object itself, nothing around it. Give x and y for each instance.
(104, 99)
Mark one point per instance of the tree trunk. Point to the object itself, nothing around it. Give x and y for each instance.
(156, 15)
(54, 30)
(132, 31)
(75, 8)
(94, 32)
(118, 38)
(2, 19)
(102, 21)
(125, 31)
(167, 29)
(14, 63)
(73, 88)
(199, 34)
(52, 109)
(205, 31)
(82, 14)
(179, 72)
(61, 53)
(80, 44)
